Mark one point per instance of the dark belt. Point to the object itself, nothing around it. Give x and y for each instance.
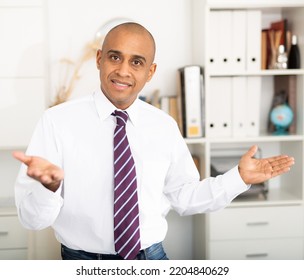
(71, 254)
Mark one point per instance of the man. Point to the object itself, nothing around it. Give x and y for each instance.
(67, 178)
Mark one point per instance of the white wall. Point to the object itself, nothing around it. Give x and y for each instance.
(72, 24)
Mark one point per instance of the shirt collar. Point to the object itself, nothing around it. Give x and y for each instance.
(105, 108)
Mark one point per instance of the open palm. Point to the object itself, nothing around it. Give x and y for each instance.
(41, 170)
(253, 170)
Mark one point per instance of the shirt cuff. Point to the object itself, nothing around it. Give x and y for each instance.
(46, 196)
(233, 179)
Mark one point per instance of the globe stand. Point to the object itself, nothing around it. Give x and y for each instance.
(281, 130)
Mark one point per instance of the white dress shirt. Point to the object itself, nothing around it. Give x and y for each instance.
(78, 137)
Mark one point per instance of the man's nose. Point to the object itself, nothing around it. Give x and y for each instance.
(123, 69)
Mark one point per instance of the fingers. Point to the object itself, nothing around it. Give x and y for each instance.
(281, 161)
(22, 157)
(286, 166)
(50, 176)
(281, 165)
(279, 171)
(276, 158)
(252, 151)
(45, 173)
(47, 179)
(41, 170)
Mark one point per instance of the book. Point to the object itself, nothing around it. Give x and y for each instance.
(196, 162)
(173, 111)
(281, 27)
(169, 105)
(190, 100)
(164, 104)
(264, 48)
(180, 103)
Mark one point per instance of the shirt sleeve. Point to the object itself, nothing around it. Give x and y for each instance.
(37, 206)
(188, 194)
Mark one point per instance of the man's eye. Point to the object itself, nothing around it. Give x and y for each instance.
(115, 57)
(137, 62)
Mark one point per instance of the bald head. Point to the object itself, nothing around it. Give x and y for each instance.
(125, 63)
(135, 29)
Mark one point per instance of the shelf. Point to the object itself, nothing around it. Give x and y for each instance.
(267, 72)
(7, 206)
(275, 197)
(216, 42)
(262, 138)
(270, 143)
(195, 140)
(259, 139)
(7, 202)
(8, 211)
(253, 4)
(12, 148)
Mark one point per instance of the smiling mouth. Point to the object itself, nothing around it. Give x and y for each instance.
(121, 85)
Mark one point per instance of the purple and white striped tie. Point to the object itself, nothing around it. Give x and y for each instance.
(126, 216)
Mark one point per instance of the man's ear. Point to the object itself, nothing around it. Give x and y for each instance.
(151, 71)
(98, 58)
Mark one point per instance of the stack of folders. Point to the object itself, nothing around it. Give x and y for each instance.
(233, 47)
(190, 100)
(234, 41)
(234, 107)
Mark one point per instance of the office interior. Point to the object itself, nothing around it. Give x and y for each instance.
(50, 46)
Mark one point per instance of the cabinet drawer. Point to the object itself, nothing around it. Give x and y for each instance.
(13, 254)
(256, 222)
(12, 234)
(262, 249)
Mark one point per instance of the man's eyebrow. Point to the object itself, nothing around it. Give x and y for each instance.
(134, 56)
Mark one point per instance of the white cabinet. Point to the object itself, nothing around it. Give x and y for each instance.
(263, 249)
(258, 232)
(270, 228)
(13, 237)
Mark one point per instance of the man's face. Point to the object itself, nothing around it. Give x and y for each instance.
(125, 65)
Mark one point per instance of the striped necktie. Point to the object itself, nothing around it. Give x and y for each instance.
(126, 217)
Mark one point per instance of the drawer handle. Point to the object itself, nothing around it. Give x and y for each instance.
(3, 232)
(258, 224)
(257, 255)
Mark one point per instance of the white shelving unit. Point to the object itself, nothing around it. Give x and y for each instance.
(253, 228)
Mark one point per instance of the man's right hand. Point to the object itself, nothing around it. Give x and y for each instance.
(41, 170)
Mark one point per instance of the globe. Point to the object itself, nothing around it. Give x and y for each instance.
(281, 116)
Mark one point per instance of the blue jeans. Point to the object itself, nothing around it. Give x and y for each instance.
(154, 252)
